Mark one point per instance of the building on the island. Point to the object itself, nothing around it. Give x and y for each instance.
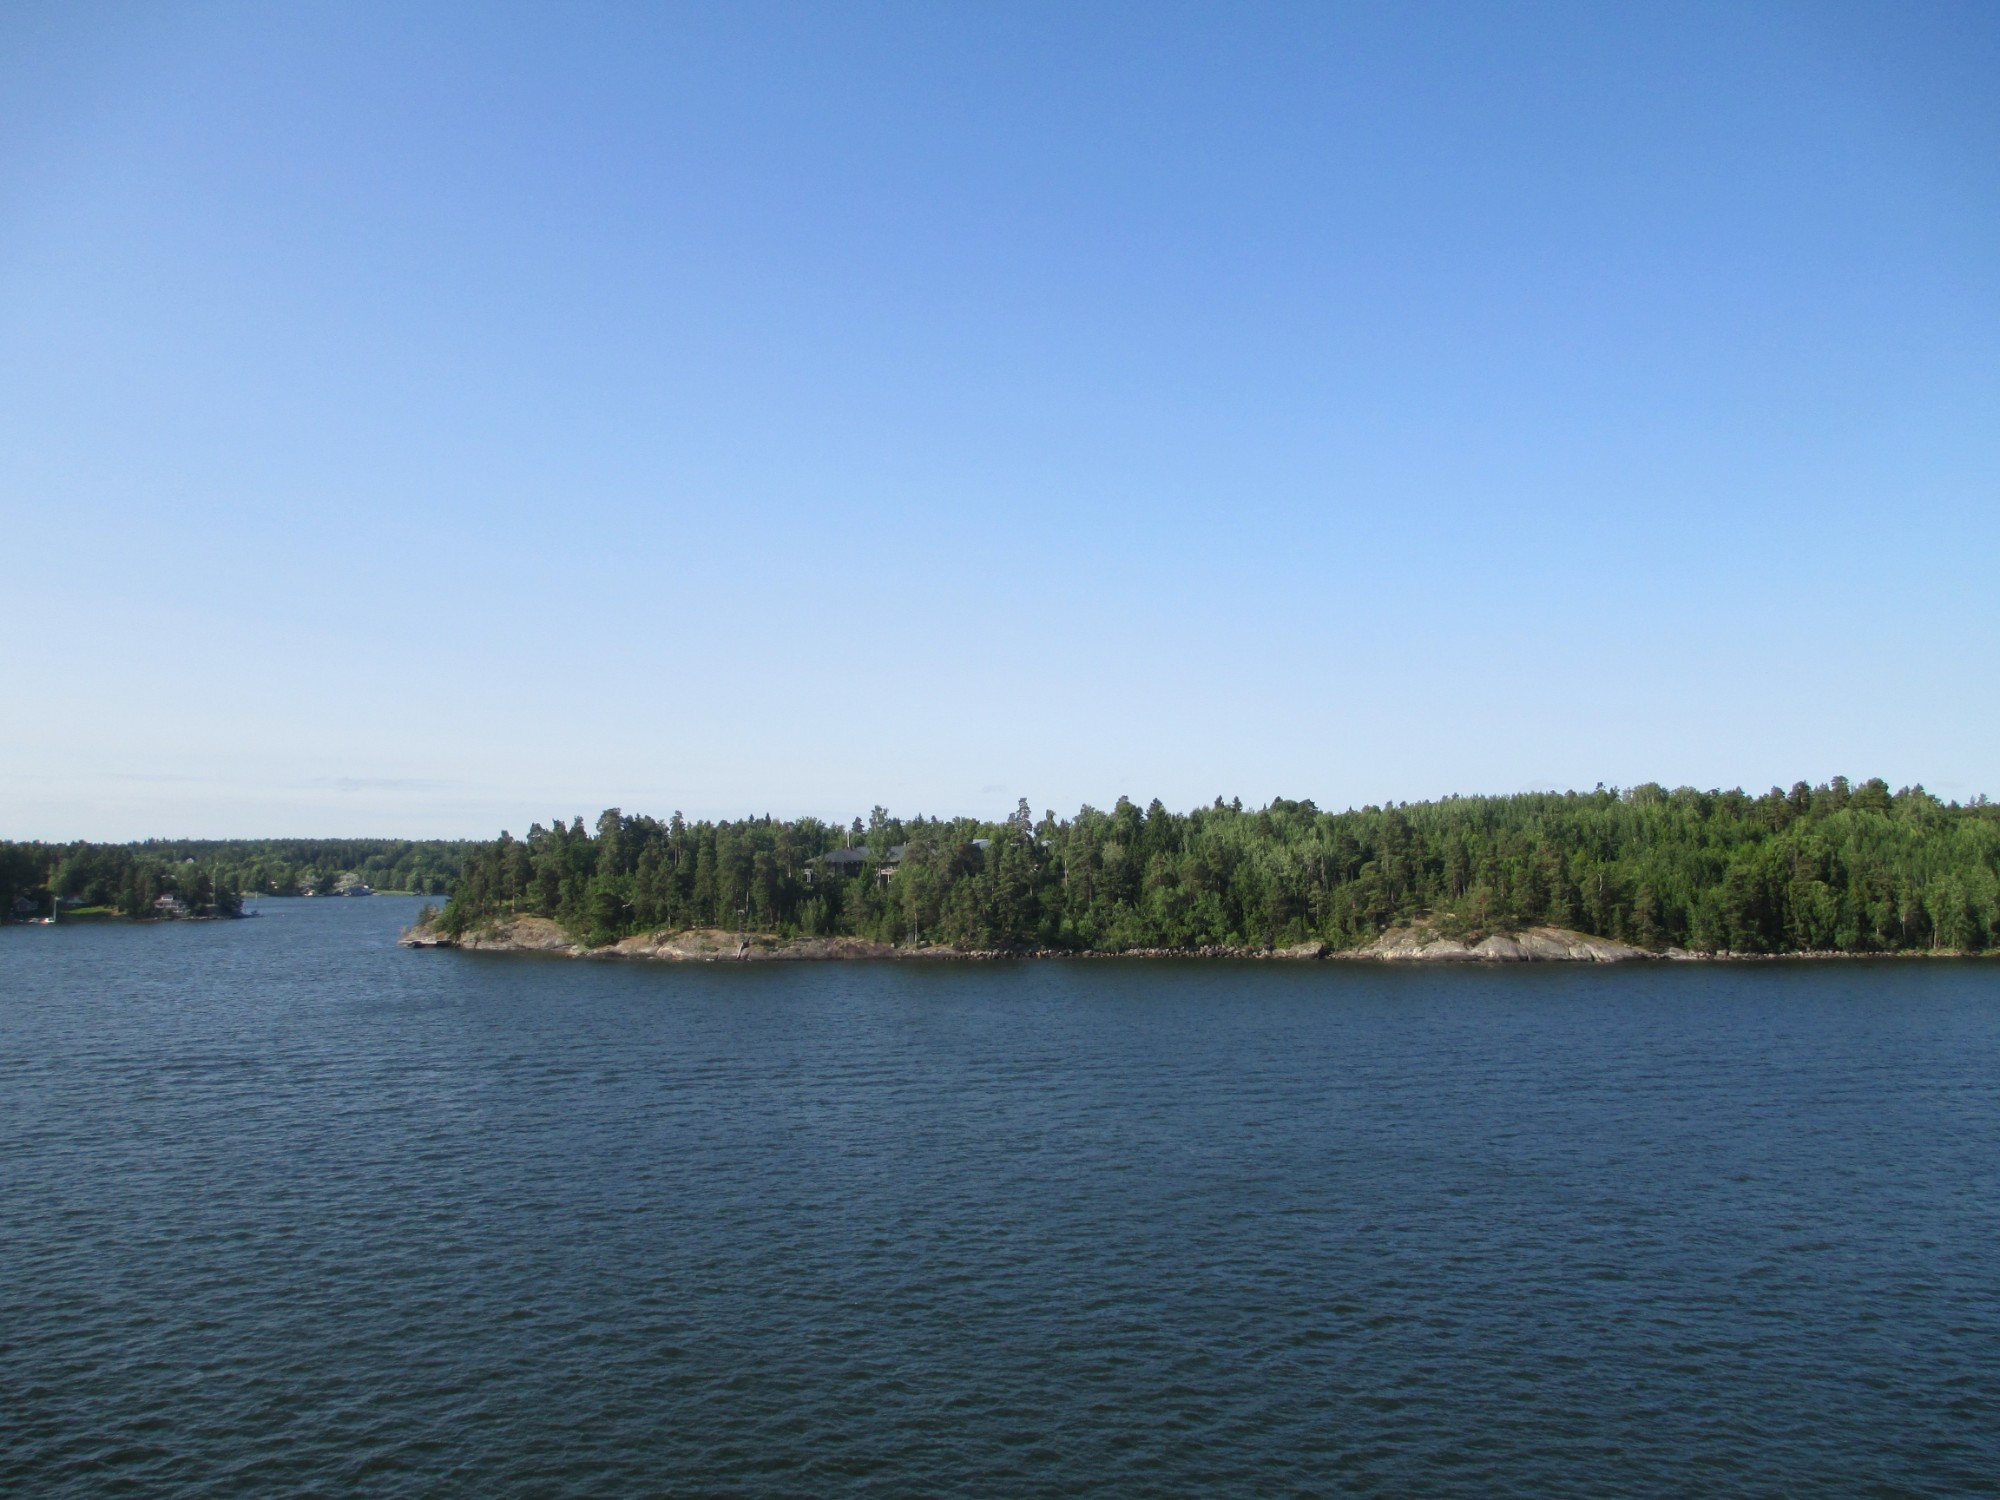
(347, 883)
(855, 858)
(851, 861)
(169, 905)
(844, 861)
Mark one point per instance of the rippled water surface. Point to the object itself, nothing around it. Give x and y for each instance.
(287, 1210)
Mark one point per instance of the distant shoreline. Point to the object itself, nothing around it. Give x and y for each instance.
(99, 918)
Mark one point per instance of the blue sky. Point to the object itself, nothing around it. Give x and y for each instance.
(425, 419)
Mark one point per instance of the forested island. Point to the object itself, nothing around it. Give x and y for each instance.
(210, 877)
(1833, 868)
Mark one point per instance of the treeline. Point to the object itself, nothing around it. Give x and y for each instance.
(1831, 867)
(313, 867)
(35, 879)
(213, 873)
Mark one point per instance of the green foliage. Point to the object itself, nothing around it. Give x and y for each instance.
(304, 867)
(213, 873)
(1832, 867)
(34, 878)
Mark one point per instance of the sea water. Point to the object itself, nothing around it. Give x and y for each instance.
(287, 1210)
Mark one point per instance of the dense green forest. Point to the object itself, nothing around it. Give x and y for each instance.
(201, 873)
(1836, 866)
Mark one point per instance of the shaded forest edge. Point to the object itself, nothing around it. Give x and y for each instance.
(210, 877)
(1835, 868)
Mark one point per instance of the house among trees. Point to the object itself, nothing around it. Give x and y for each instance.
(844, 861)
(849, 861)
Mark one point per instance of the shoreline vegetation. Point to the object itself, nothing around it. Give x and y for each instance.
(185, 879)
(1834, 870)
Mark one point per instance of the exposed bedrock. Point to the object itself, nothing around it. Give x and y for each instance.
(1536, 945)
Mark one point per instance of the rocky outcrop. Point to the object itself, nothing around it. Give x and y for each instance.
(713, 945)
(514, 935)
(1536, 945)
(702, 945)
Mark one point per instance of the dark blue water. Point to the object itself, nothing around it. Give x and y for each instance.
(286, 1210)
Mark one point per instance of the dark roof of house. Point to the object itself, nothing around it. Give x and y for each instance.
(856, 857)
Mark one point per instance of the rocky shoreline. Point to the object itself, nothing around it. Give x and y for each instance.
(1418, 944)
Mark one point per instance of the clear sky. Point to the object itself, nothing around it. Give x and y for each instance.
(422, 419)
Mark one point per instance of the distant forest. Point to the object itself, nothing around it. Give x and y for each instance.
(1829, 867)
(129, 878)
